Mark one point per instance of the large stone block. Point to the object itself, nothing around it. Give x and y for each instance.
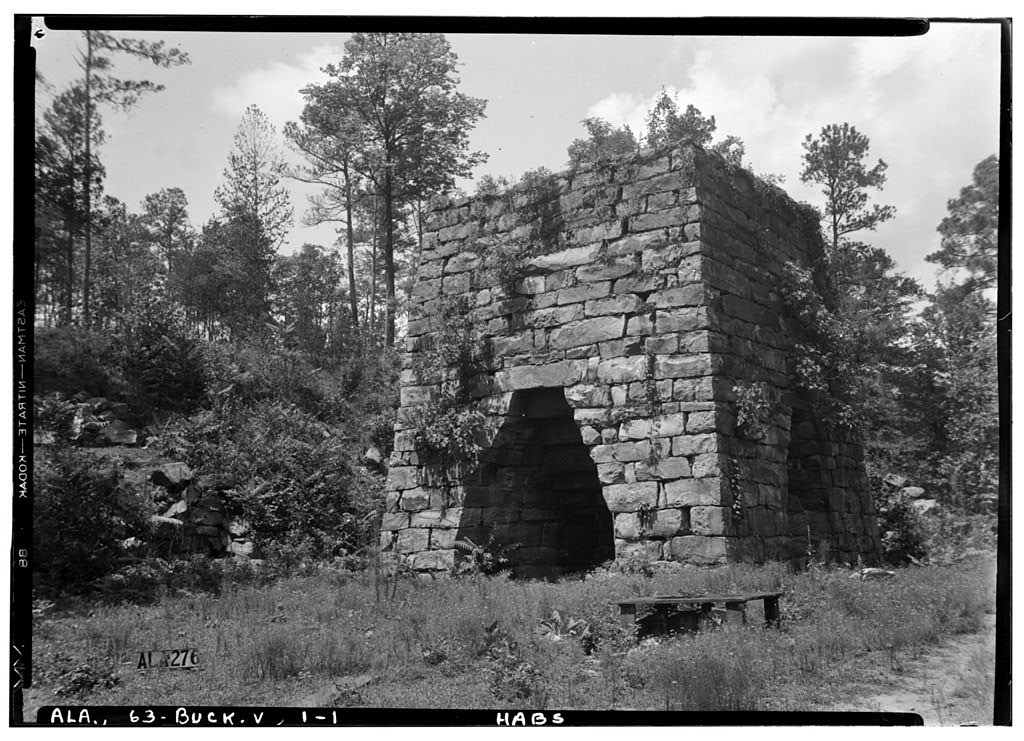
(710, 520)
(432, 560)
(588, 395)
(622, 370)
(562, 373)
(612, 472)
(684, 319)
(693, 492)
(394, 521)
(693, 294)
(688, 445)
(630, 497)
(587, 331)
(570, 257)
(461, 262)
(412, 540)
(656, 523)
(624, 303)
(583, 292)
(682, 366)
(405, 477)
(699, 550)
(610, 270)
(663, 470)
(442, 538)
(649, 549)
(414, 500)
(635, 429)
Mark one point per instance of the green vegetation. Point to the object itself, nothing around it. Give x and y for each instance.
(482, 641)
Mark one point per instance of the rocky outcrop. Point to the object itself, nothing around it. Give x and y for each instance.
(99, 422)
(200, 520)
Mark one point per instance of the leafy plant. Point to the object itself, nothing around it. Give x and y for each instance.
(160, 360)
(488, 559)
(753, 411)
(558, 628)
(81, 514)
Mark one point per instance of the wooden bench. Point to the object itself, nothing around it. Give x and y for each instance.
(702, 605)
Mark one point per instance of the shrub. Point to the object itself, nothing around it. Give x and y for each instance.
(81, 514)
(161, 362)
(68, 360)
(341, 391)
(904, 534)
(301, 485)
(53, 412)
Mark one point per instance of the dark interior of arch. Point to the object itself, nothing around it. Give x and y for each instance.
(807, 500)
(537, 489)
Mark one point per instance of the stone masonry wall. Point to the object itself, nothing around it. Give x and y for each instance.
(648, 299)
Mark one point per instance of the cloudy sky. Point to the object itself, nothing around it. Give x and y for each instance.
(930, 105)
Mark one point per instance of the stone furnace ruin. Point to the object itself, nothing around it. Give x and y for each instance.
(598, 366)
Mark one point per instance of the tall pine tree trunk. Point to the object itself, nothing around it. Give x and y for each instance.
(389, 262)
(371, 305)
(87, 271)
(69, 283)
(353, 304)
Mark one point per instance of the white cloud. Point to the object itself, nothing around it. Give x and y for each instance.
(928, 105)
(275, 87)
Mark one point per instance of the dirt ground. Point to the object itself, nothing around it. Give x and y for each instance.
(948, 685)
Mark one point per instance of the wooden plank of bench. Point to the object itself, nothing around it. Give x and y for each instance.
(700, 599)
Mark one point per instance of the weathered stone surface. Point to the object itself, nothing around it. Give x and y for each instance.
(701, 422)
(462, 262)
(693, 492)
(415, 499)
(698, 549)
(649, 549)
(635, 429)
(606, 271)
(412, 540)
(566, 258)
(684, 319)
(587, 331)
(629, 497)
(709, 520)
(694, 294)
(432, 560)
(172, 476)
(622, 370)
(406, 477)
(442, 538)
(663, 470)
(688, 445)
(612, 472)
(658, 523)
(588, 395)
(682, 366)
(625, 303)
(584, 292)
(562, 373)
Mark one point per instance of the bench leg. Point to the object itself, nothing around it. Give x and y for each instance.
(771, 611)
(735, 614)
(627, 616)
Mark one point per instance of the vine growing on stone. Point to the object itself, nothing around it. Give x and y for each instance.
(447, 427)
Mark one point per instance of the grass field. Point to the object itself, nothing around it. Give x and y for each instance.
(346, 639)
